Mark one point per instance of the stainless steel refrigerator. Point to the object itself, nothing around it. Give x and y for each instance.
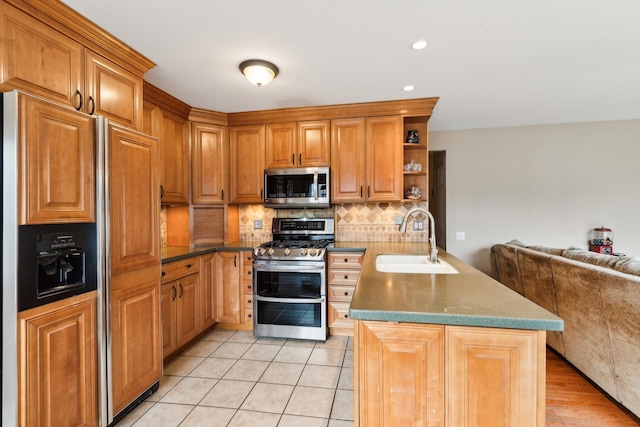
(80, 228)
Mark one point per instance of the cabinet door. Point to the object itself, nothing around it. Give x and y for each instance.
(209, 161)
(136, 349)
(57, 163)
(57, 369)
(400, 381)
(134, 200)
(208, 309)
(281, 146)
(174, 157)
(247, 164)
(168, 310)
(38, 59)
(112, 91)
(347, 160)
(384, 158)
(314, 143)
(188, 315)
(228, 286)
(489, 377)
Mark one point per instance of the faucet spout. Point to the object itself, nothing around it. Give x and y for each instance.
(433, 256)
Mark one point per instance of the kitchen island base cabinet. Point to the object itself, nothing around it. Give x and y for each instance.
(57, 368)
(434, 375)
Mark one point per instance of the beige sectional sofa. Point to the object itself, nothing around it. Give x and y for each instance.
(597, 296)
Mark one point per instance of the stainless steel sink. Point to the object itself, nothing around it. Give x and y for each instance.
(413, 264)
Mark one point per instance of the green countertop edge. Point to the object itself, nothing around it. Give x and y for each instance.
(457, 320)
(182, 252)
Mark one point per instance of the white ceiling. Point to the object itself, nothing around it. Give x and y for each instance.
(492, 62)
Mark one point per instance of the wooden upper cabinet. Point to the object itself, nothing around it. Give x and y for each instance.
(281, 146)
(113, 92)
(247, 163)
(41, 60)
(209, 164)
(314, 143)
(384, 158)
(38, 59)
(57, 163)
(347, 160)
(292, 145)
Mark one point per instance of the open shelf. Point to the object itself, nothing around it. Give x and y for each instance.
(419, 153)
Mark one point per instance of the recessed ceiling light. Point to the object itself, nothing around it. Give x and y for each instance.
(420, 44)
(408, 88)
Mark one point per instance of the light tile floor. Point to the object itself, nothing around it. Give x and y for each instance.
(231, 378)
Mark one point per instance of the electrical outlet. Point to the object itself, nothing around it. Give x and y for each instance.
(398, 219)
(418, 225)
(257, 224)
(460, 235)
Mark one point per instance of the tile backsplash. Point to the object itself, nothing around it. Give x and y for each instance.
(371, 222)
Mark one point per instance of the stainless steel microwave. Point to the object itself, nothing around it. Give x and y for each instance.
(296, 188)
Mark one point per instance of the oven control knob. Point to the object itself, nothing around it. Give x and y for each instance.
(256, 251)
(263, 251)
(312, 252)
(287, 252)
(303, 251)
(270, 251)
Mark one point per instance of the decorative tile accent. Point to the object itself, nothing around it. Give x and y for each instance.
(371, 222)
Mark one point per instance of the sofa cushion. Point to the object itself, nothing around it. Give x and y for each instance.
(536, 276)
(547, 250)
(624, 264)
(507, 267)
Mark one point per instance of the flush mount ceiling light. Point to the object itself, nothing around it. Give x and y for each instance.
(420, 44)
(408, 88)
(259, 72)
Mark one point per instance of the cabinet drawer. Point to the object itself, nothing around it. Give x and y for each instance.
(350, 260)
(342, 277)
(177, 269)
(247, 316)
(340, 293)
(247, 273)
(248, 302)
(338, 316)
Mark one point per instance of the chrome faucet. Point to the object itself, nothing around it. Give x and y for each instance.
(432, 230)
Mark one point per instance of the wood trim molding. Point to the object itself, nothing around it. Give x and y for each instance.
(162, 99)
(69, 22)
(413, 107)
(207, 116)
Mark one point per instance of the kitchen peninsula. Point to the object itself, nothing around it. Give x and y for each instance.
(444, 349)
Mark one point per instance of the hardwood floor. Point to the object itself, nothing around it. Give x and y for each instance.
(571, 400)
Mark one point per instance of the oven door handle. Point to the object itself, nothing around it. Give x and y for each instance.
(276, 267)
(289, 300)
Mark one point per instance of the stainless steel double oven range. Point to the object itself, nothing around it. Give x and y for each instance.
(290, 280)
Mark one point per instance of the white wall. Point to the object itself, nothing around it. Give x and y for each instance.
(543, 185)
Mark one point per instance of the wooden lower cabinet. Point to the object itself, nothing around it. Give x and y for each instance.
(136, 347)
(228, 286)
(208, 308)
(342, 275)
(434, 375)
(58, 366)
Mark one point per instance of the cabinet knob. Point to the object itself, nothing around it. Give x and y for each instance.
(164, 273)
(249, 273)
(346, 260)
(249, 301)
(346, 316)
(188, 265)
(248, 286)
(346, 293)
(249, 316)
